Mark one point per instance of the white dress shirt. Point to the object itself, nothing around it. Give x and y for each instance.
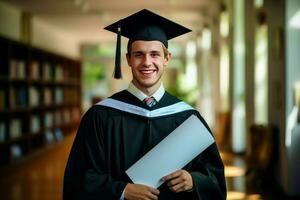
(158, 94)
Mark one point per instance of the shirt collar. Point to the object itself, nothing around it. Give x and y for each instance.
(141, 96)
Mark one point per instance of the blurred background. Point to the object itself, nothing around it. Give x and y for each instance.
(240, 67)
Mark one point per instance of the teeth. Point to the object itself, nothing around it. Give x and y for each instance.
(147, 71)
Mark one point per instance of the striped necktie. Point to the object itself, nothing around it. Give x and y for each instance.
(150, 101)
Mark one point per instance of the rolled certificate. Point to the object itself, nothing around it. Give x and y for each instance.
(175, 151)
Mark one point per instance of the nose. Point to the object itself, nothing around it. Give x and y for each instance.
(147, 60)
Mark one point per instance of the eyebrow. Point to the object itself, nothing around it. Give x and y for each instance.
(143, 52)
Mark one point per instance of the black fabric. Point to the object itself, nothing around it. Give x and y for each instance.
(148, 26)
(109, 141)
(118, 72)
(148, 33)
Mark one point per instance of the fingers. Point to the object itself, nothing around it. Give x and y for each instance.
(152, 196)
(172, 175)
(179, 181)
(154, 191)
(181, 187)
(137, 192)
(175, 181)
(178, 185)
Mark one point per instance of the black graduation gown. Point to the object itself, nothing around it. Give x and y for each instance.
(110, 140)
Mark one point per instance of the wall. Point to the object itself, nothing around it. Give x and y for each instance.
(10, 21)
(43, 35)
(49, 37)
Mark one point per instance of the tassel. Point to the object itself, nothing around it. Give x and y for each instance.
(118, 73)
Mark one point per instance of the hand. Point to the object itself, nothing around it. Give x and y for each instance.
(140, 192)
(179, 181)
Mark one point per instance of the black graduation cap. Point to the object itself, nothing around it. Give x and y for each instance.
(143, 25)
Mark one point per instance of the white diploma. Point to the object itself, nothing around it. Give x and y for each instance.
(175, 151)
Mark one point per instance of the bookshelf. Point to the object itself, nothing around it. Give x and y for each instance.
(40, 99)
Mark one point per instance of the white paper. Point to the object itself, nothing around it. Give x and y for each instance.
(175, 151)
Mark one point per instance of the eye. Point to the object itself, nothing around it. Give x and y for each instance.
(138, 54)
(155, 54)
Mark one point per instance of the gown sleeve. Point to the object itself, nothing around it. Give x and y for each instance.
(207, 171)
(86, 177)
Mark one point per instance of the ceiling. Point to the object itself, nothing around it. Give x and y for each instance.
(85, 19)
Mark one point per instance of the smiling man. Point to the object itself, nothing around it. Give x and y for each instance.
(147, 60)
(119, 130)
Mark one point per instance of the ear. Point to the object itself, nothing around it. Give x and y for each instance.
(128, 59)
(167, 58)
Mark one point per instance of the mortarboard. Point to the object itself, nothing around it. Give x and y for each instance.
(143, 25)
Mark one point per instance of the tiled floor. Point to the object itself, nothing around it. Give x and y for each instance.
(40, 177)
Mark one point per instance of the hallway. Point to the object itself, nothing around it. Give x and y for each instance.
(239, 67)
(41, 175)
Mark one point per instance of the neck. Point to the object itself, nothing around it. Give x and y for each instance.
(149, 91)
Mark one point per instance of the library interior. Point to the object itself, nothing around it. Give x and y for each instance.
(239, 67)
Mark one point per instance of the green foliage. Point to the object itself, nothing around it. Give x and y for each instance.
(185, 96)
(93, 73)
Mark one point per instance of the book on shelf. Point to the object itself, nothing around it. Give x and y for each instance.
(17, 69)
(47, 96)
(34, 70)
(17, 97)
(58, 95)
(22, 97)
(49, 137)
(57, 118)
(2, 131)
(21, 69)
(67, 116)
(59, 73)
(48, 120)
(34, 96)
(58, 134)
(35, 124)
(15, 128)
(12, 98)
(47, 74)
(16, 151)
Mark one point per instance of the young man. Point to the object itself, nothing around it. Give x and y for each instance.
(119, 130)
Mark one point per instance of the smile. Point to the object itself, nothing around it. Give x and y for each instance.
(147, 71)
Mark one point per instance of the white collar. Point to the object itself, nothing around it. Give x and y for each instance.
(129, 108)
(158, 94)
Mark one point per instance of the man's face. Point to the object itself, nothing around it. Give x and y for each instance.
(147, 61)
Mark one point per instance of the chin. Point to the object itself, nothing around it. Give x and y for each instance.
(147, 84)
